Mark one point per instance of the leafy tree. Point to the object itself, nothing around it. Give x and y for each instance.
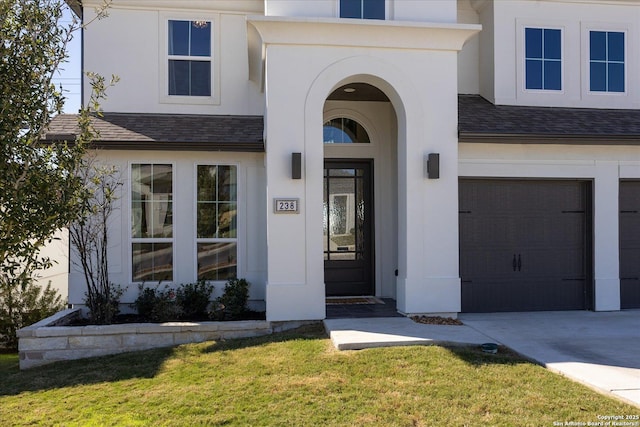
(41, 190)
(39, 193)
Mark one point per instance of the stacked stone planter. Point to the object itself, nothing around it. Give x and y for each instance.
(47, 342)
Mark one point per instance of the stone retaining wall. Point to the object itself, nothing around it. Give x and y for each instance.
(42, 343)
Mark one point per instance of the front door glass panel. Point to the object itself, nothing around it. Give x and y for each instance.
(344, 214)
(347, 227)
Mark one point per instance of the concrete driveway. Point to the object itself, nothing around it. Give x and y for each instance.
(598, 349)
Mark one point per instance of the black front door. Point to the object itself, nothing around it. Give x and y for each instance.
(348, 228)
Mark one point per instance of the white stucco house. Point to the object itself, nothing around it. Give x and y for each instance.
(451, 155)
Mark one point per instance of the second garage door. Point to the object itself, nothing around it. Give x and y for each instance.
(630, 244)
(525, 245)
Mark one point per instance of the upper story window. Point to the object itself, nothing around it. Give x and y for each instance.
(606, 61)
(362, 9)
(543, 59)
(344, 131)
(189, 56)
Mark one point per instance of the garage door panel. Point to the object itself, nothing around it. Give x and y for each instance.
(629, 293)
(494, 264)
(548, 264)
(529, 295)
(522, 245)
(629, 260)
(629, 244)
(499, 231)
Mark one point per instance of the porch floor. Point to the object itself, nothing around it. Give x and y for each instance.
(355, 311)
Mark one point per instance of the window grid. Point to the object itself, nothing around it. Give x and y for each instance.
(606, 61)
(362, 9)
(543, 59)
(216, 222)
(151, 222)
(189, 70)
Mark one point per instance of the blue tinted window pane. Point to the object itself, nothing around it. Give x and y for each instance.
(552, 75)
(552, 45)
(373, 9)
(616, 77)
(615, 44)
(178, 77)
(350, 8)
(598, 72)
(200, 78)
(533, 74)
(597, 45)
(533, 43)
(200, 38)
(332, 135)
(178, 37)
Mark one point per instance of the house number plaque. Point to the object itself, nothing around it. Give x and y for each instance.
(286, 206)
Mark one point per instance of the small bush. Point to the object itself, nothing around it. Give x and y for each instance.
(193, 298)
(157, 305)
(22, 305)
(233, 302)
(104, 306)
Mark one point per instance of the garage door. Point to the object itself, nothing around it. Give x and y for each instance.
(630, 244)
(524, 245)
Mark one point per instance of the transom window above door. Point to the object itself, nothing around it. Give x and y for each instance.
(344, 131)
(362, 9)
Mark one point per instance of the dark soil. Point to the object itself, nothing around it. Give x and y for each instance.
(135, 318)
(436, 320)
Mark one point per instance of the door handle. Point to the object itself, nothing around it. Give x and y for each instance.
(513, 263)
(519, 263)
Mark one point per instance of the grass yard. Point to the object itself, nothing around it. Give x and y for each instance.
(296, 379)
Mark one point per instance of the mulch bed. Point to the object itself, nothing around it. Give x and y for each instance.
(436, 320)
(135, 318)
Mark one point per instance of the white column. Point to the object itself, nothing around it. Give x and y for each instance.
(428, 208)
(295, 276)
(605, 241)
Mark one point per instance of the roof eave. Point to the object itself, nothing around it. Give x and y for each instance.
(239, 147)
(573, 139)
(75, 6)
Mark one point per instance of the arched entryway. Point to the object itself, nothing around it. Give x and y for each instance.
(359, 191)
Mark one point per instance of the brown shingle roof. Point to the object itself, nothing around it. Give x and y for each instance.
(167, 131)
(481, 121)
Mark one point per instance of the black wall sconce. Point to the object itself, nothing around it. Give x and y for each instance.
(296, 165)
(433, 165)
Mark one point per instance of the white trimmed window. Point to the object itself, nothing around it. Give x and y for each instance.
(543, 58)
(189, 58)
(362, 9)
(606, 61)
(217, 222)
(152, 222)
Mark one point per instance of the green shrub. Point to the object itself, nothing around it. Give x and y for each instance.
(157, 305)
(22, 305)
(104, 306)
(233, 302)
(194, 298)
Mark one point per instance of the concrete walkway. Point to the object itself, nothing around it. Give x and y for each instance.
(600, 350)
(357, 334)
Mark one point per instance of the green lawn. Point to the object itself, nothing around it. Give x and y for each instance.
(296, 379)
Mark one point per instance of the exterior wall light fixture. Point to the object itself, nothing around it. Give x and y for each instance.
(296, 165)
(432, 165)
